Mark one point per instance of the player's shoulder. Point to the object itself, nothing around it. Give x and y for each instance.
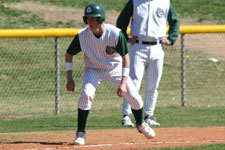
(162, 2)
(82, 31)
(111, 29)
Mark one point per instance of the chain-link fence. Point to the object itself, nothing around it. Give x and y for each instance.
(28, 79)
(28, 76)
(205, 69)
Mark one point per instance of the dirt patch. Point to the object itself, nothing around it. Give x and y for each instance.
(120, 139)
(49, 12)
(212, 44)
(56, 13)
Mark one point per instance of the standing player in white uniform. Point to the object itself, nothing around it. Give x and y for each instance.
(106, 58)
(148, 35)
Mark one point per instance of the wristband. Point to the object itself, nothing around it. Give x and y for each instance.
(125, 72)
(69, 66)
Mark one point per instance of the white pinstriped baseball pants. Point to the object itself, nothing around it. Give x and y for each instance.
(93, 77)
(150, 59)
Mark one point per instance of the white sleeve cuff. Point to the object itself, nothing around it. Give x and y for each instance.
(69, 66)
(125, 72)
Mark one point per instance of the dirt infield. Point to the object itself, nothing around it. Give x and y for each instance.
(120, 139)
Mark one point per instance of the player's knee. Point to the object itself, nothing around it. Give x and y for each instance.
(136, 106)
(152, 89)
(136, 103)
(85, 102)
(86, 96)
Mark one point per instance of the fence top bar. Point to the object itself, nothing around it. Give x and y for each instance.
(38, 33)
(71, 32)
(191, 29)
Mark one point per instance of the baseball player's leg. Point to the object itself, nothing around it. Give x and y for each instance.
(92, 78)
(126, 120)
(153, 77)
(135, 101)
(137, 66)
(138, 59)
(132, 94)
(126, 108)
(91, 81)
(152, 81)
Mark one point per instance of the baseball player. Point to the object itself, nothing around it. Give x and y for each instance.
(106, 58)
(148, 35)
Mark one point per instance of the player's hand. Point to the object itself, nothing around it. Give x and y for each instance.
(165, 41)
(70, 86)
(132, 40)
(122, 90)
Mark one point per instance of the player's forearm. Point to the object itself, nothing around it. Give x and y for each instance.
(125, 69)
(69, 66)
(126, 61)
(69, 75)
(68, 58)
(124, 80)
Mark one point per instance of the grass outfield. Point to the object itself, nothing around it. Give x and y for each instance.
(167, 116)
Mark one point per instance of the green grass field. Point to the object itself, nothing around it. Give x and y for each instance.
(27, 93)
(167, 116)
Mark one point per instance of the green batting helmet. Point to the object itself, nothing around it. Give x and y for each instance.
(94, 10)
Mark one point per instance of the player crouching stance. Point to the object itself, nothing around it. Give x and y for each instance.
(106, 58)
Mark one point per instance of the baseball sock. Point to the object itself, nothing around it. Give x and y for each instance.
(82, 119)
(138, 116)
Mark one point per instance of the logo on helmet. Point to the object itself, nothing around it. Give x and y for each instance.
(88, 10)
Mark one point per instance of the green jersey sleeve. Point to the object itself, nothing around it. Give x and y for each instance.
(124, 17)
(174, 25)
(74, 46)
(122, 47)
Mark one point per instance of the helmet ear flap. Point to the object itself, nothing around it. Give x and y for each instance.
(101, 20)
(85, 19)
